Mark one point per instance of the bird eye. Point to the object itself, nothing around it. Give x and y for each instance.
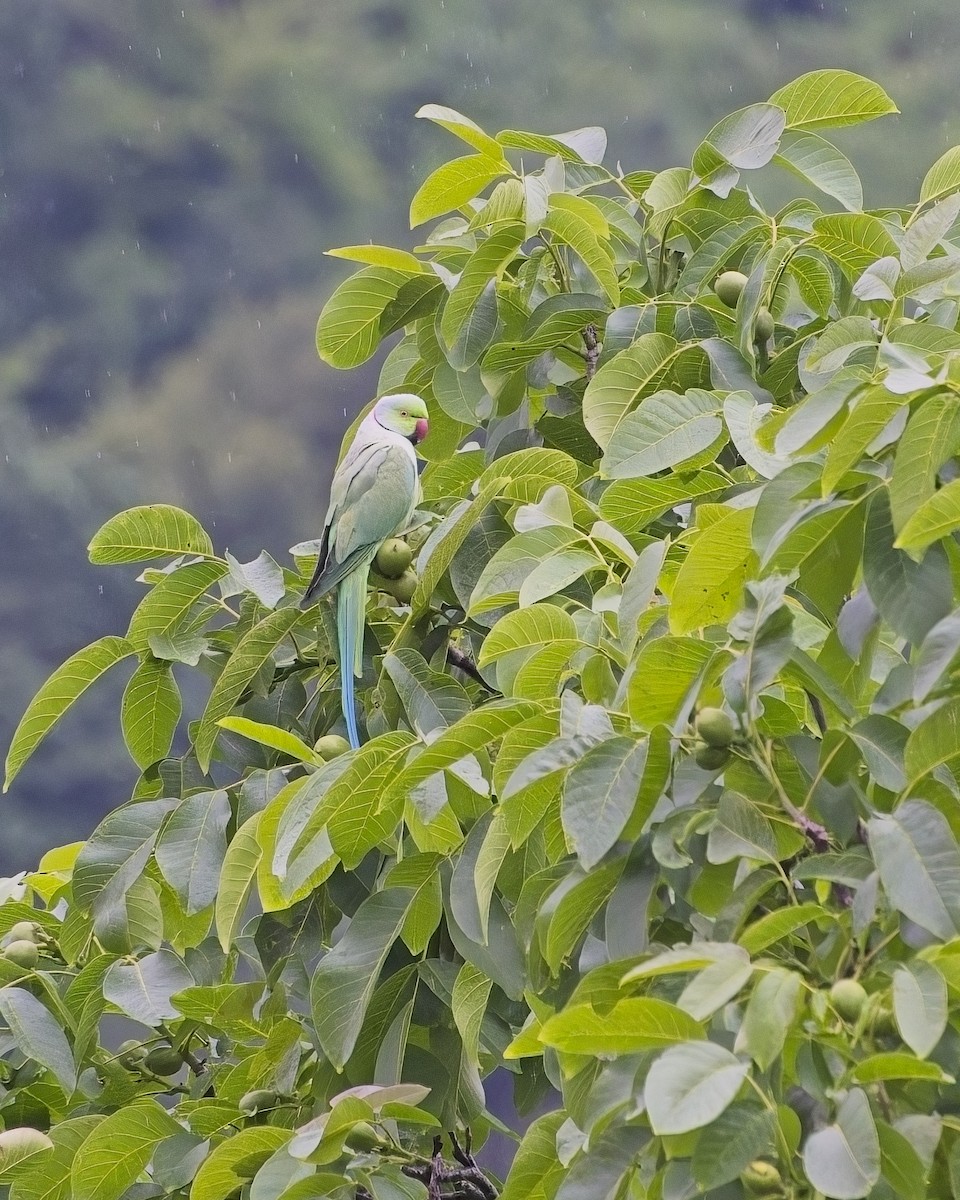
(404, 413)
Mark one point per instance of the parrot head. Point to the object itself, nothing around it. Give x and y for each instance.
(403, 413)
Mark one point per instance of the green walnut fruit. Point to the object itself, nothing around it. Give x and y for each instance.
(848, 997)
(761, 1179)
(728, 287)
(393, 558)
(715, 727)
(710, 758)
(763, 326)
(404, 587)
(331, 745)
(362, 1137)
(22, 953)
(163, 1060)
(24, 931)
(257, 1100)
(130, 1054)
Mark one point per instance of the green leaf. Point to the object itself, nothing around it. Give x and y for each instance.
(636, 372)
(666, 430)
(869, 416)
(911, 596)
(843, 1160)
(535, 1170)
(150, 711)
(454, 183)
(49, 1177)
(555, 320)
(665, 671)
(744, 140)
(237, 876)
(552, 576)
(487, 262)
(853, 240)
(19, 1147)
(920, 1006)
(632, 1025)
(114, 1154)
(471, 733)
(895, 1064)
(566, 913)
(271, 735)
(935, 518)
(66, 685)
(831, 99)
(775, 926)
(740, 830)
(570, 227)
(931, 437)
(770, 1016)
(471, 991)
(919, 864)
(443, 543)
(943, 177)
(933, 743)
(117, 851)
(578, 145)
(379, 256)
(599, 796)
(252, 652)
(168, 604)
(815, 282)
(881, 741)
(230, 1165)
(146, 532)
(421, 873)
(142, 989)
(526, 627)
(716, 984)
(431, 699)
(478, 330)
(744, 1132)
(631, 504)
(261, 577)
(461, 127)
(900, 1164)
(38, 1035)
(822, 164)
(937, 653)
(829, 352)
(348, 331)
(358, 809)
(343, 983)
(708, 589)
(510, 568)
(723, 246)
(191, 848)
(690, 1085)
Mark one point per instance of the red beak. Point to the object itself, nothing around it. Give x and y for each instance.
(421, 430)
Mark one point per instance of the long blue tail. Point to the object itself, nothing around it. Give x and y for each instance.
(351, 610)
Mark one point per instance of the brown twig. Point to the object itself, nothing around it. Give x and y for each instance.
(593, 350)
(463, 662)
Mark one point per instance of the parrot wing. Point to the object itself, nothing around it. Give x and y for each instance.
(372, 496)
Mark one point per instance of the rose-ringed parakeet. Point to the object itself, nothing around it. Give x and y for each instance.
(372, 498)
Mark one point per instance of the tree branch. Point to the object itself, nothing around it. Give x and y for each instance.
(593, 350)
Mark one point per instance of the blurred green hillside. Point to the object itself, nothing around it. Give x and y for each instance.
(169, 181)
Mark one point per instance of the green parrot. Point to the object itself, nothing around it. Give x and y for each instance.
(372, 498)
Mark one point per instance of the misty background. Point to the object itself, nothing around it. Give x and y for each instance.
(169, 181)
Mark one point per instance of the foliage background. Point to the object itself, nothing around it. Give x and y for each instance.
(170, 179)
